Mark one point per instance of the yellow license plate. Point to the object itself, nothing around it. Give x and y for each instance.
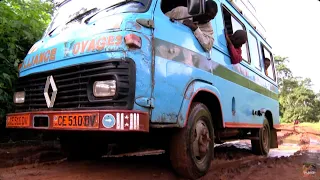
(76, 121)
(18, 121)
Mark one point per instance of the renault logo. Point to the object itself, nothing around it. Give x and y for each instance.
(50, 101)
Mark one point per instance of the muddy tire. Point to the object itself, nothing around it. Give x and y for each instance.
(262, 146)
(191, 148)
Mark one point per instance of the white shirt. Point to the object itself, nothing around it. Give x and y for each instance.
(204, 32)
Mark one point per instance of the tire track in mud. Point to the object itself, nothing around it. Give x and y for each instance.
(28, 152)
(230, 162)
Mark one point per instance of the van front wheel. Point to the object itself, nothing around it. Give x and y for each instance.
(191, 148)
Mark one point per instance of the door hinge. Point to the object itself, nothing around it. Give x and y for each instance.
(146, 22)
(145, 102)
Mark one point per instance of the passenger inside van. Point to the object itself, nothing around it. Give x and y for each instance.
(235, 42)
(266, 65)
(200, 25)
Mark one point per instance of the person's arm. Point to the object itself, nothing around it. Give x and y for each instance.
(228, 39)
(174, 13)
(235, 56)
(205, 40)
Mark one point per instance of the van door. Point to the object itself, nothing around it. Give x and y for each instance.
(173, 42)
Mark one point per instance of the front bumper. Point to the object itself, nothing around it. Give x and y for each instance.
(84, 120)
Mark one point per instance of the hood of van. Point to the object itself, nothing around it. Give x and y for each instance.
(102, 35)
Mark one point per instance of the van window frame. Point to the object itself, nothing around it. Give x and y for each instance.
(223, 6)
(272, 61)
(257, 45)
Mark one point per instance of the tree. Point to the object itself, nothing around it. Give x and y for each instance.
(297, 99)
(22, 23)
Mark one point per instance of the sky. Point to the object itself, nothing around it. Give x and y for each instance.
(292, 30)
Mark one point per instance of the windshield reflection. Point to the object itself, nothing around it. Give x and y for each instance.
(73, 8)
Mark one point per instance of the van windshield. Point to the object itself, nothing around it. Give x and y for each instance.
(72, 8)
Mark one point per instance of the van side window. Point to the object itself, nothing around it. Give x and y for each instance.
(232, 24)
(254, 52)
(268, 63)
(167, 5)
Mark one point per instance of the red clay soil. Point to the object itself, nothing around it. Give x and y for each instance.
(230, 163)
(152, 168)
(13, 154)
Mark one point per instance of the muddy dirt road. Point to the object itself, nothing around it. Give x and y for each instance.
(232, 161)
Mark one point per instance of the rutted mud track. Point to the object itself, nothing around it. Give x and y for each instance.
(28, 152)
(232, 161)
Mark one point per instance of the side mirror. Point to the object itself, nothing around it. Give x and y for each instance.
(196, 7)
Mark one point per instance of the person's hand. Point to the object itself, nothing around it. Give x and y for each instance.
(190, 24)
(227, 37)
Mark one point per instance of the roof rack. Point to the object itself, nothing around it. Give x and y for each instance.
(246, 13)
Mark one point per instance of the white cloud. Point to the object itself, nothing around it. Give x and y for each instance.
(292, 30)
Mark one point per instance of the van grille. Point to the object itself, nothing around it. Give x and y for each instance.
(75, 84)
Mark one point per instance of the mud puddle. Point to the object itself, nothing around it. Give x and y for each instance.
(298, 156)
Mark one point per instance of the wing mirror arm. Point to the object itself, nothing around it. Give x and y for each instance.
(195, 8)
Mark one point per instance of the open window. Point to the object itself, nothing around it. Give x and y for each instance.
(167, 5)
(268, 62)
(232, 24)
(254, 51)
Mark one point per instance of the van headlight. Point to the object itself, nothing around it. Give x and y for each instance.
(104, 88)
(19, 97)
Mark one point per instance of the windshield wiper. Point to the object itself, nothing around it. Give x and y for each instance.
(53, 30)
(113, 6)
(79, 16)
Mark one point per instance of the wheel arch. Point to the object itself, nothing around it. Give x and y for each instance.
(269, 117)
(273, 132)
(207, 94)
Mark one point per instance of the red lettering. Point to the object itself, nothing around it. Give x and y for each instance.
(119, 40)
(76, 49)
(35, 60)
(91, 47)
(25, 64)
(42, 55)
(83, 46)
(46, 58)
(53, 54)
(101, 43)
(29, 63)
(111, 40)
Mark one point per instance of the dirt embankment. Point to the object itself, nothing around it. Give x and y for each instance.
(233, 160)
(28, 152)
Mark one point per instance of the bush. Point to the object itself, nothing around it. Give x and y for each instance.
(22, 23)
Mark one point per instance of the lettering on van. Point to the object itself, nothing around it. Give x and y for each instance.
(89, 46)
(43, 57)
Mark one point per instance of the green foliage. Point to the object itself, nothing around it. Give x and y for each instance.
(22, 23)
(297, 99)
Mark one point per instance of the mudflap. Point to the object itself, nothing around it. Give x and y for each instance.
(274, 138)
